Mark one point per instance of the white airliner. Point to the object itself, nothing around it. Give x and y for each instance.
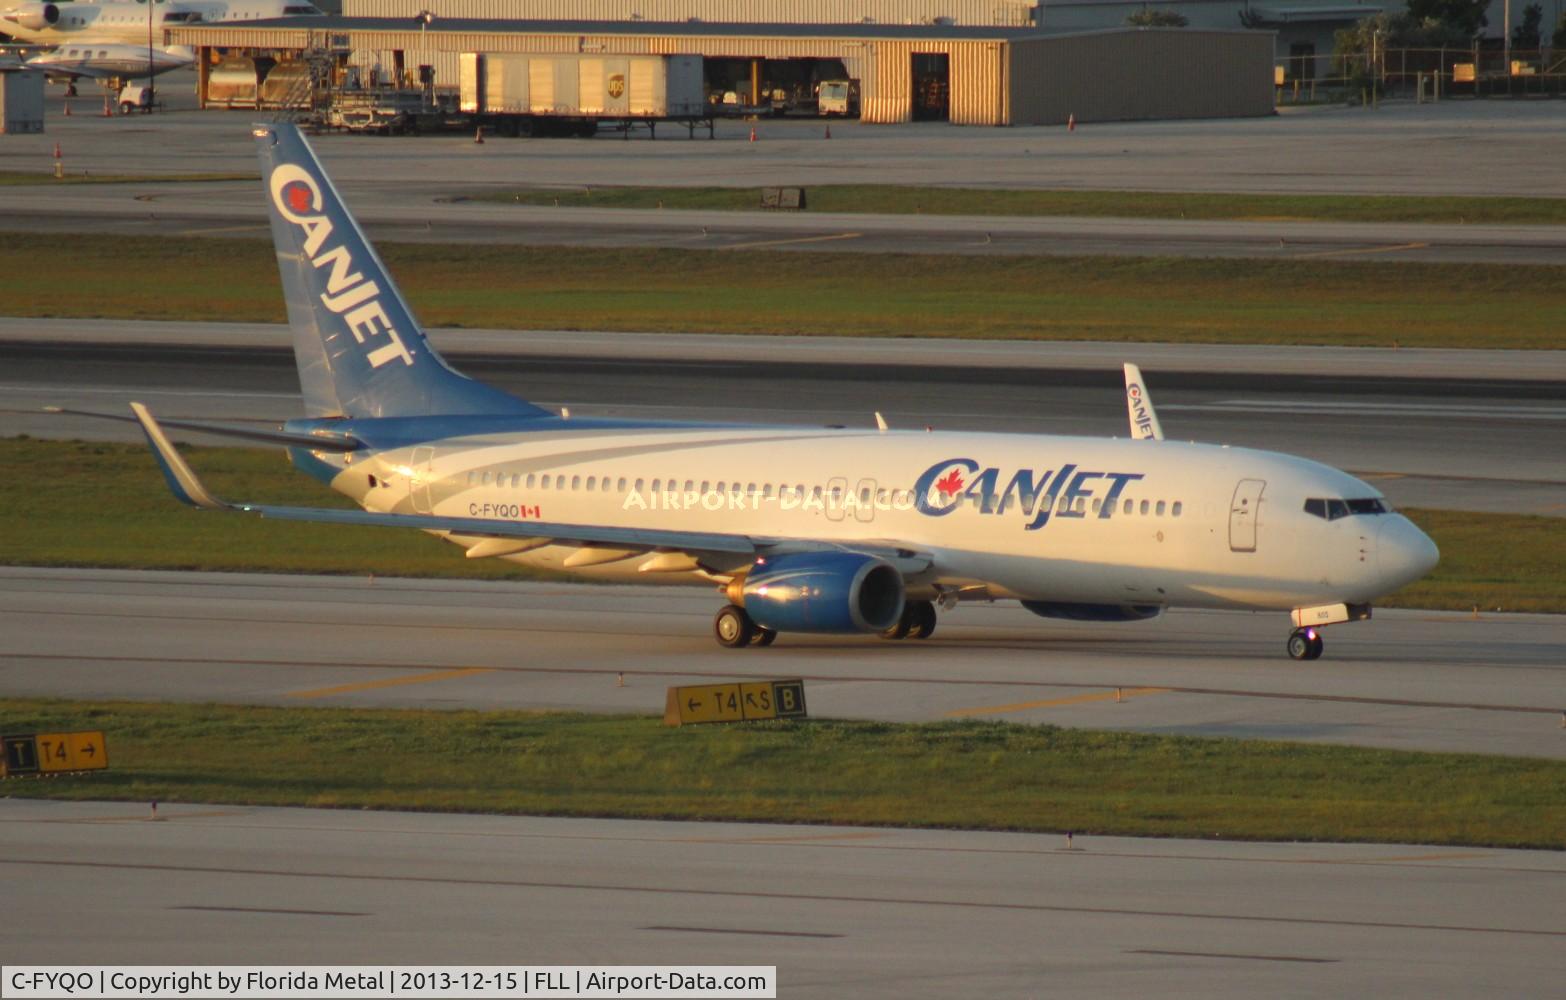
(801, 529)
(110, 40)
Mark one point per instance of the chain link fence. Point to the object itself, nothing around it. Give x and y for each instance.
(1422, 74)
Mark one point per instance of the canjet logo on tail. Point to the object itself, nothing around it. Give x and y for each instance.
(297, 197)
(1029, 493)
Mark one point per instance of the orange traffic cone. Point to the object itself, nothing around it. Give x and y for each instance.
(478, 136)
(753, 133)
(829, 132)
(67, 107)
(1071, 123)
(57, 151)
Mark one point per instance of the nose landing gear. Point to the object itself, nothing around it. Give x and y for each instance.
(1305, 644)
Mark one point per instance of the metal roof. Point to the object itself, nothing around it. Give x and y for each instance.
(695, 29)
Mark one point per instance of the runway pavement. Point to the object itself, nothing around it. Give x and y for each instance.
(1464, 430)
(840, 911)
(412, 188)
(1405, 680)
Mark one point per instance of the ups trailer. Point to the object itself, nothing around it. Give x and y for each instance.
(524, 95)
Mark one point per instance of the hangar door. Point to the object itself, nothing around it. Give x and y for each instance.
(932, 87)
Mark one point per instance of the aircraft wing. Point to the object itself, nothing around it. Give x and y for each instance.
(189, 489)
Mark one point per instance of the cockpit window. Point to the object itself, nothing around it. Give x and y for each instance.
(1331, 509)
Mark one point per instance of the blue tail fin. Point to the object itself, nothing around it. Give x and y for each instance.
(359, 349)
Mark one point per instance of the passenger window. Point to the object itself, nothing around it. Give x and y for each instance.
(1127, 508)
(576, 482)
(622, 485)
(486, 477)
(690, 485)
(471, 476)
(1145, 505)
(545, 482)
(1175, 510)
(1160, 510)
(592, 483)
(1097, 504)
(657, 485)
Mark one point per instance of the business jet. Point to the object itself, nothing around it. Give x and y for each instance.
(123, 39)
(799, 529)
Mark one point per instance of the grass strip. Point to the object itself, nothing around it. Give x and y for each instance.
(977, 775)
(893, 199)
(15, 178)
(99, 504)
(1191, 300)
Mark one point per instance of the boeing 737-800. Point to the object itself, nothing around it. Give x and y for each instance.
(800, 529)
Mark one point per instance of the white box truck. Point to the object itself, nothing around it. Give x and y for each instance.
(521, 94)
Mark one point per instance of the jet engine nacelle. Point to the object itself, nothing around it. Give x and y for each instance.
(823, 592)
(34, 16)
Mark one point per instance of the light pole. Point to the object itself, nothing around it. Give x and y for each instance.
(151, 70)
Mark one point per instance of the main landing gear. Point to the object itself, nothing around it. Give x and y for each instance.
(1305, 644)
(917, 622)
(735, 629)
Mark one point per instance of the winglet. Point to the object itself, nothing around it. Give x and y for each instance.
(1139, 407)
(182, 481)
(880, 422)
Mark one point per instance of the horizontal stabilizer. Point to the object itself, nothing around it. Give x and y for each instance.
(314, 442)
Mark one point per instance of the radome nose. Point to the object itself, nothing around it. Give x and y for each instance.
(1403, 552)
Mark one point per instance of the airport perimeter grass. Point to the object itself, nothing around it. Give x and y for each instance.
(92, 504)
(983, 775)
(892, 199)
(1285, 301)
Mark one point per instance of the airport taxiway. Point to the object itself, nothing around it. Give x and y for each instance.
(1462, 430)
(1414, 680)
(412, 188)
(841, 911)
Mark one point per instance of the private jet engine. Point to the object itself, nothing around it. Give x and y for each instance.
(33, 16)
(821, 592)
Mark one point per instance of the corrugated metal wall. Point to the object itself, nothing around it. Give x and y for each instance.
(972, 12)
(1136, 74)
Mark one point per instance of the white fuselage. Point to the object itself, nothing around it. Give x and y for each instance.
(130, 22)
(1047, 518)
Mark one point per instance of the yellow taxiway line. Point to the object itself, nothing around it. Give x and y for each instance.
(798, 239)
(439, 675)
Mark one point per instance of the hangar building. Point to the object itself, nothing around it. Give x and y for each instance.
(964, 74)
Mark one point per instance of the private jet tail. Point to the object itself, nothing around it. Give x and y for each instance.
(360, 351)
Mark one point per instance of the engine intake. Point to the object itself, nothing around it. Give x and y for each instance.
(34, 16)
(823, 592)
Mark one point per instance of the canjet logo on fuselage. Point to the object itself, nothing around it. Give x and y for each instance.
(298, 199)
(957, 482)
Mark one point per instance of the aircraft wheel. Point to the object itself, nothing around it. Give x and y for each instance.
(922, 620)
(733, 627)
(904, 623)
(1305, 644)
(764, 636)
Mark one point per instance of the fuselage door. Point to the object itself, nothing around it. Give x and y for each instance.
(864, 500)
(1243, 512)
(419, 481)
(836, 498)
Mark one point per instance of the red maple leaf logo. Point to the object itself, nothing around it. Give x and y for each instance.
(298, 198)
(950, 483)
